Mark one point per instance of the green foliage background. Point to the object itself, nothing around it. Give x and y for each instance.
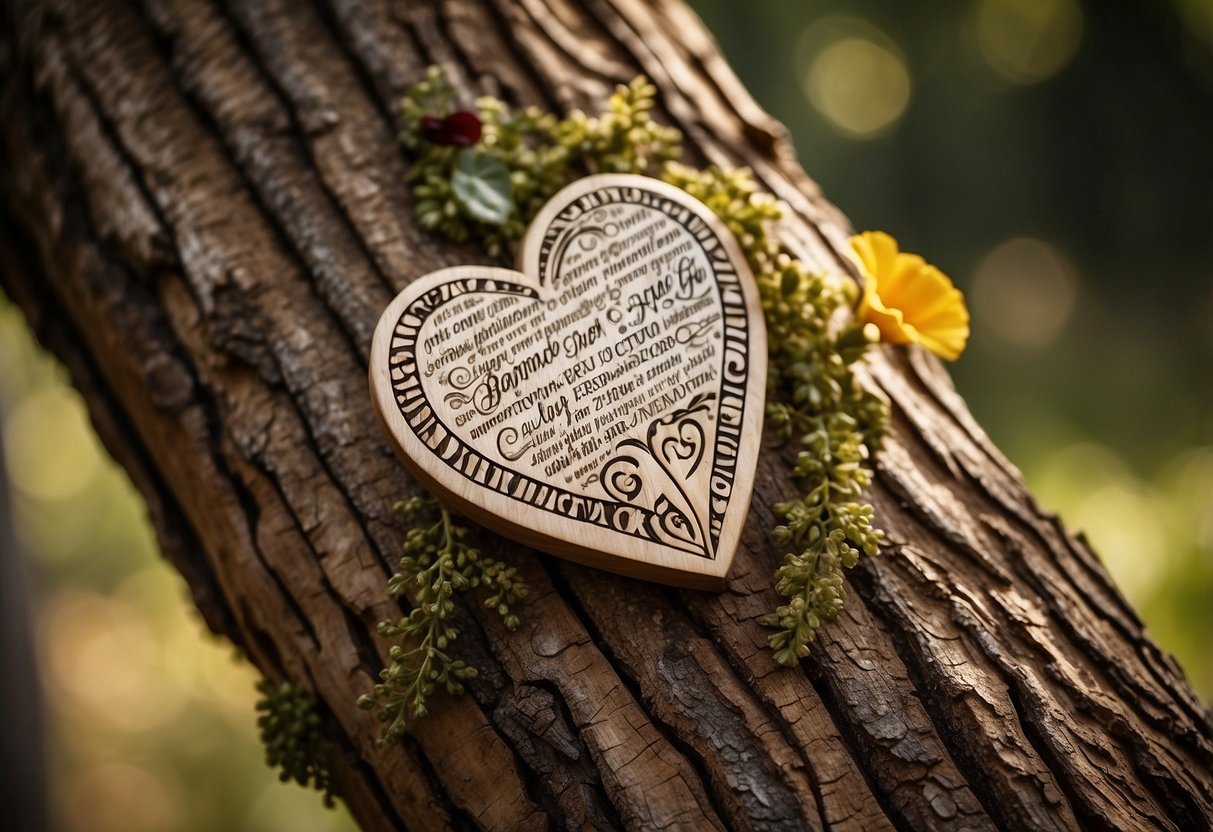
(1051, 157)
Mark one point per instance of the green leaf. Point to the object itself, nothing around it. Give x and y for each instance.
(790, 283)
(482, 185)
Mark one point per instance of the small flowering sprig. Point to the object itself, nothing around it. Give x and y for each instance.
(483, 175)
(439, 562)
(814, 396)
(293, 735)
(476, 173)
(625, 138)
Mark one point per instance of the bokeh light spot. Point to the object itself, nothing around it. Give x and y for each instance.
(50, 449)
(1192, 477)
(1027, 41)
(105, 658)
(854, 76)
(278, 810)
(1122, 520)
(1123, 515)
(120, 797)
(1023, 293)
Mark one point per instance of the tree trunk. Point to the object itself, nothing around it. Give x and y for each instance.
(203, 212)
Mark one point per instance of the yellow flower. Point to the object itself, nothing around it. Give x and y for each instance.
(909, 300)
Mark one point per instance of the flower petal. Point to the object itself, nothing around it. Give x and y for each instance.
(908, 299)
(877, 251)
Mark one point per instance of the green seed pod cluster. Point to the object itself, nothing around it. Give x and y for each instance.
(440, 560)
(521, 158)
(293, 735)
(625, 138)
(813, 396)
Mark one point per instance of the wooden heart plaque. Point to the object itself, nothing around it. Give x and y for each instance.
(605, 402)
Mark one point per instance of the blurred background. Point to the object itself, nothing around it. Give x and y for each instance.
(1054, 157)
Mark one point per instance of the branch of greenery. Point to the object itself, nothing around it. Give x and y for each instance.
(440, 561)
(813, 394)
(490, 191)
(293, 735)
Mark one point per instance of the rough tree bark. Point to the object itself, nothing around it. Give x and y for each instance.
(203, 212)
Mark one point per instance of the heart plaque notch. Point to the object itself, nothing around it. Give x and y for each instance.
(604, 403)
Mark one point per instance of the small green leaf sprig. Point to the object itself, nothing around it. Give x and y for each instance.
(624, 138)
(293, 735)
(439, 562)
(488, 191)
(814, 397)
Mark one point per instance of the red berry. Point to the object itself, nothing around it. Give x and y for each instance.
(459, 129)
(463, 128)
(432, 130)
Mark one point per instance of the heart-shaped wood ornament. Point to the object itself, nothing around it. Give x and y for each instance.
(603, 404)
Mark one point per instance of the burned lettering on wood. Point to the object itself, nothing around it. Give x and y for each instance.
(602, 404)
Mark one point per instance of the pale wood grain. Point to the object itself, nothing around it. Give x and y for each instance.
(604, 403)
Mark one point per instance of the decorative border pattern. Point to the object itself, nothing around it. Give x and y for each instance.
(673, 524)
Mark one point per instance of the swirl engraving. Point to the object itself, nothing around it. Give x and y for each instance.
(507, 439)
(673, 523)
(484, 394)
(621, 475)
(695, 333)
